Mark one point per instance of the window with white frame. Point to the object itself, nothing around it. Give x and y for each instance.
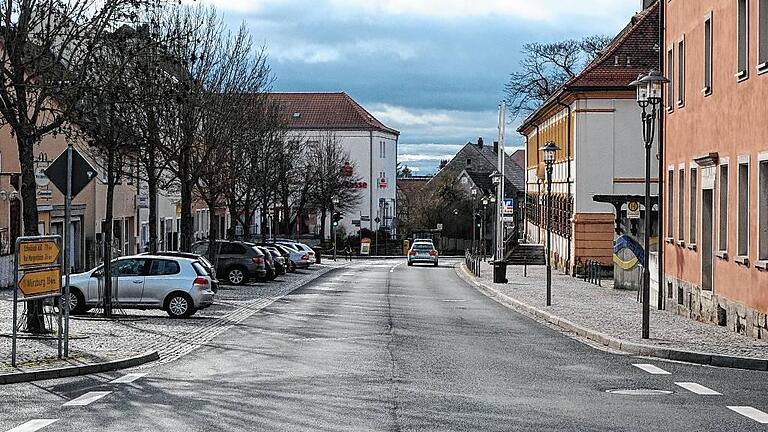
(763, 211)
(723, 219)
(681, 207)
(742, 38)
(693, 210)
(681, 72)
(742, 243)
(762, 37)
(671, 77)
(671, 203)
(708, 54)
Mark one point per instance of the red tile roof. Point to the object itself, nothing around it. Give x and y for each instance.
(325, 111)
(631, 53)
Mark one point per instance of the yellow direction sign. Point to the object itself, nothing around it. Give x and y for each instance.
(41, 282)
(40, 252)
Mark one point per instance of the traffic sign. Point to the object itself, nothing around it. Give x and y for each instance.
(633, 210)
(82, 172)
(35, 283)
(40, 252)
(377, 220)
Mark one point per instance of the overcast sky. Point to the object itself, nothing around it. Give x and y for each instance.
(433, 69)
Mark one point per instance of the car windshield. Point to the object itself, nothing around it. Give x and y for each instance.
(423, 246)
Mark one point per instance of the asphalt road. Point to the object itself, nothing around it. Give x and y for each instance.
(385, 347)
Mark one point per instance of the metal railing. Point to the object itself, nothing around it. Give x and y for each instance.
(593, 272)
(473, 262)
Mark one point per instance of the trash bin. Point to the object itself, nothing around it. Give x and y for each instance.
(500, 272)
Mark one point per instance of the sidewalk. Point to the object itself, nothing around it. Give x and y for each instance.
(145, 335)
(613, 318)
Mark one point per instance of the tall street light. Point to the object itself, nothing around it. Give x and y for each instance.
(499, 226)
(474, 216)
(335, 201)
(483, 226)
(550, 153)
(649, 95)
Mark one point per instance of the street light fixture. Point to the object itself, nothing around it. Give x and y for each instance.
(649, 95)
(335, 201)
(550, 154)
(483, 226)
(473, 191)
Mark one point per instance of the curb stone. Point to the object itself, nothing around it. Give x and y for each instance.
(709, 359)
(70, 371)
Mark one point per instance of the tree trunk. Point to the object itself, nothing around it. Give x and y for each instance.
(187, 220)
(213, 234)
(153, 191)
(28, 193)
(107, 228)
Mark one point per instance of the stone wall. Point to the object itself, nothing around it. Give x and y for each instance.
(688, 300)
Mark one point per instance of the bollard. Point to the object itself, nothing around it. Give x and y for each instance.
(600, 276)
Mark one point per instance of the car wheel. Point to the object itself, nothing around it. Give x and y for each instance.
(410, 263)
(236, 276)
(76, 302)
(179, 305)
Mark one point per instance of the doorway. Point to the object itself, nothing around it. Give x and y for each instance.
(707, 235)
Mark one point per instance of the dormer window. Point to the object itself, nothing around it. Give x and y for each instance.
(296, 115)
(469, 161)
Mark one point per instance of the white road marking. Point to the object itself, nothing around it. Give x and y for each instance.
(697, 388)
(392, 270)
(753, 413)
(651, 369)
(33, 425)
(87, 398)
(127, 379)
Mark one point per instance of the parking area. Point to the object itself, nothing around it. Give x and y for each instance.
(131, 332)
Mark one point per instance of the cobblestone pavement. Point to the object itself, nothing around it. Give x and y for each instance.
(617, 313)
(136, 331)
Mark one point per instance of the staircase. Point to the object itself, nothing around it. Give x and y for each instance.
(531, 254)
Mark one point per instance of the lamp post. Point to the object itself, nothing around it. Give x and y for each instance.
(473, 191)
(550, 152)
(498, 231)
(483, 226)
(335, 201)
(649, 95)
(493, 242)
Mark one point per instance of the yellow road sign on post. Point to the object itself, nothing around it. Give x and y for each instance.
(42, 252)
(35, 283)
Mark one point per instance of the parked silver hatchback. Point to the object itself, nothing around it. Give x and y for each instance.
(180, 286)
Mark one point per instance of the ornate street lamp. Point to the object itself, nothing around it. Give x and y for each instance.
(649, 95)
(550, 153)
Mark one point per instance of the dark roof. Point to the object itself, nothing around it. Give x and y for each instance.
(518, 157)
(631, 53)
(514, 173)
(325, 111)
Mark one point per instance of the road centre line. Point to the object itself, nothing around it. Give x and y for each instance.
(129, 378)
(651, 369)
(87, 398)
(33, 425)
(697, 388)
(752, 413)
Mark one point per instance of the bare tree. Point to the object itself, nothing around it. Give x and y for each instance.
(545, 67)
(327, 156)
(48, 57)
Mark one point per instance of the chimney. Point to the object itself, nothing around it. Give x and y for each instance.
(480, 142)
(496, 147)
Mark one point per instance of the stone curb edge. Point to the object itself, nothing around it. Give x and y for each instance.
(615, 343)
(70, 371)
